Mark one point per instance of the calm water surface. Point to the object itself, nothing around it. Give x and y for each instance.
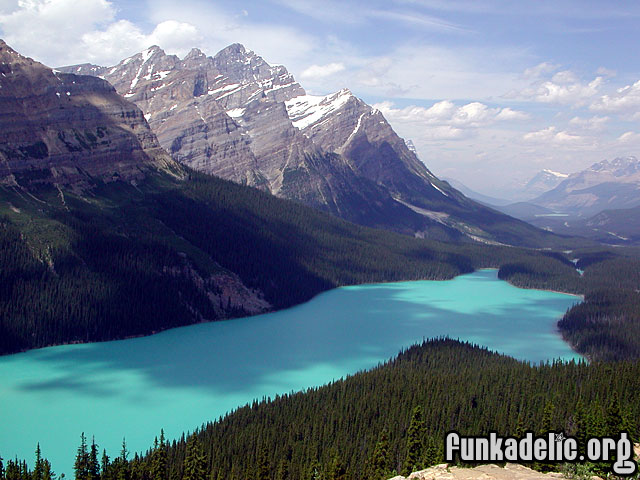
(179, 379)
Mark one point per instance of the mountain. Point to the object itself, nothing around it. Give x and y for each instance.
(65, 129)
(542, 182)
(104, 236)
(622, 224)
(605, 185)
(613, 227)
(235, 116)
(479, 197)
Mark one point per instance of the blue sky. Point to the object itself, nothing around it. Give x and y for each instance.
(489, 91)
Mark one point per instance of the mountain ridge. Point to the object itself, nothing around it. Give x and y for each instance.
(235, 116)
(605, 185)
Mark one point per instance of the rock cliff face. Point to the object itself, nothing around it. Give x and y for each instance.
(65, 129)
(235, 116)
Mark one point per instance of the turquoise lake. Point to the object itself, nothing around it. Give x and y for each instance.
(184, 377)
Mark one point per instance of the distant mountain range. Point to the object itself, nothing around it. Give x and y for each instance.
(235, 116)
(542, 182)
(600, 202)
(605, 185)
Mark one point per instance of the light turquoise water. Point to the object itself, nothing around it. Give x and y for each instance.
(179, 379)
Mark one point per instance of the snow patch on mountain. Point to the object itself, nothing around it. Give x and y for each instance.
(555, 174)
(355, 130)
(236, 112)
(307, 110)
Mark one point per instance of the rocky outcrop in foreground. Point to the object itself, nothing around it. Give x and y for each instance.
(511, 471)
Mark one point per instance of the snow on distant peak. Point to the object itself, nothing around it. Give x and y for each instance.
(307, 110)
(555, 174)
(146, 54)
(617, 163)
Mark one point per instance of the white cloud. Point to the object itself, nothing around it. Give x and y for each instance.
(447, 113)
(508, 114)
(321, 71)
(118, 40)
(565, 77)
(547, 85)
(605, 72)
(415, 19)
(551, 134)
(540, 70)
(624, 100)
(278, 44)
(568, 91)
(543, 135)
(175, 36)
(594, 123)
(122, 38)
(49, 29)
(629, 137)
(63, 32)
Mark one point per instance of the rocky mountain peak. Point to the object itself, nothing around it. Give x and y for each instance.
(233, 53)
(194, 53)
(196, 59)
(235, 116)
(244, 66)
(618, 166)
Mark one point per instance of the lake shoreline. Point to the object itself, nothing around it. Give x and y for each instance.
(155, 332)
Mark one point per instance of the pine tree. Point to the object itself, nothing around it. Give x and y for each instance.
(283, 470)
(337, 469)
(38, 470)
(580, 424)
(105, 467)
(415, 443)
(432, 456)
(194, 462)
(47, 472)
(1, 469)
(93, 467)
(81, 466)
(547, 418)
(123, 469)
(613, 418)
(13, 470)
(380, 462)
(159, 459)
(263, 464)
(519, 427)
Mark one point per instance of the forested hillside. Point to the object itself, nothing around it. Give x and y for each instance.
(390, 419)
(122, 260)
